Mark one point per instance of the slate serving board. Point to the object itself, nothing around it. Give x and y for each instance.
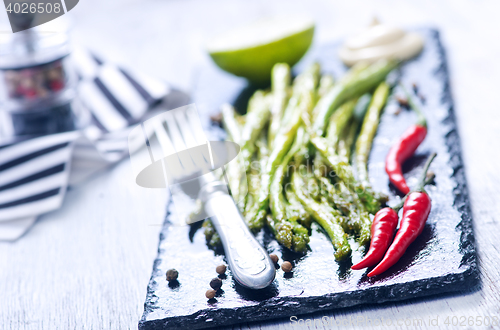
(441, 260)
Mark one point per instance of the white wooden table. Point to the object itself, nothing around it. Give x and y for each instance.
(87, 265)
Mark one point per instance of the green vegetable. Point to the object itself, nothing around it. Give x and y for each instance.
(284, 140)
(354, 85)
(254, 215)
(368, 131)
(359, 218)
(280, 223)
(326, 217)
(284, 130)
(295, 210)
(259, 110)
(344, 172)
(326, 82)
(348, 135)
(211, 235)
(230, 123)
(280, 83)
(339, 121)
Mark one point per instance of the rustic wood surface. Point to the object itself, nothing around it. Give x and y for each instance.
(87, 265)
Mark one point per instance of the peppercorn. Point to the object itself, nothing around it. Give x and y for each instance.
(216, 118)
(210, 294)
(274, 258)
(221, 269)
(415, 88)
(172, 274)
(402, 101)
(287, 266)
(216, 283)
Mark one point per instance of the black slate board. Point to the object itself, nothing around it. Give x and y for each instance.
(441, 260)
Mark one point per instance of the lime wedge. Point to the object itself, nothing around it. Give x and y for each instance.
(251, 51)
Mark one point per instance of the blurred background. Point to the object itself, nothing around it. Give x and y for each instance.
(88, 264)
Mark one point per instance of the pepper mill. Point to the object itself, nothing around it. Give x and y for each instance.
(37, 81)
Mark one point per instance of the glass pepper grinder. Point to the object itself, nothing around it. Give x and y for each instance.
(37, 82)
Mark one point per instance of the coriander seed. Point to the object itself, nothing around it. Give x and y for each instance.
(221, 269)
(210, 294)
(274, 258)
(287, 266)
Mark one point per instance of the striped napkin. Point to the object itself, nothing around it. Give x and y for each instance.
(35, 173)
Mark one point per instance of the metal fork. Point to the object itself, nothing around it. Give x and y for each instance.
(188, 154)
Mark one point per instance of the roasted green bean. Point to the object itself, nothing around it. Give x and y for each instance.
(230, 122)
(284, 140)
(368, 130)
(280, 83)
(353, 86)
(326, 82)
(338, 122)
(279, 205)
(256, 119)
(344, 172)
(327, 218)
(310, 118)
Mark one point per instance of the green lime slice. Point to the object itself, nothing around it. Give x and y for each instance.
(251, 51)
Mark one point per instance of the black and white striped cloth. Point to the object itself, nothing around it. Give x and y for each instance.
(35, 173)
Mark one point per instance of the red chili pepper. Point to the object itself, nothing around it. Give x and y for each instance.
(383, 227)
(404, 149)
(400, 152)
(416, 209)
(415, 212)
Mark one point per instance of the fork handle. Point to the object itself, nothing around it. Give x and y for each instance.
(250, 264)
